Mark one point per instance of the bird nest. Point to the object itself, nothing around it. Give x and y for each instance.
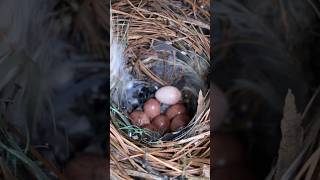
(154, 44)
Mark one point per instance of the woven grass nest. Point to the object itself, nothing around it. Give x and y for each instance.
(158, 43)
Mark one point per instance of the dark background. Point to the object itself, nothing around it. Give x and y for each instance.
(54, 87)
(260, 50)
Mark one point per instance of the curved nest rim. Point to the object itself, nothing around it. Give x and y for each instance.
(189, 154)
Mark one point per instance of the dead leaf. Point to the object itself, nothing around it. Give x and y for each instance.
(200, 102)
(292, 136)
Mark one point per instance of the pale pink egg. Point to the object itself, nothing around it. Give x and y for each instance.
(168, 95)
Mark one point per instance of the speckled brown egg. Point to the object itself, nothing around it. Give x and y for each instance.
(168, 95)
(139, 118)
(162, 123)
(152, 108)
(179, 122)
(175, 110)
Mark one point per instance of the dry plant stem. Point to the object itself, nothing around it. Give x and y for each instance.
(309, 166)
(306, 110)
(164, 163)
(190, 38)
(308, 157)
(183, 149)
(142, 175)
(120, 175)
(156, 161)
(117, 164)
(134, 164)
(151, 74)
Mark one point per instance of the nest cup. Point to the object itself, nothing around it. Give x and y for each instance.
(161, 46)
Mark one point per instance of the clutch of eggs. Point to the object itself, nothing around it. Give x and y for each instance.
(173, 119)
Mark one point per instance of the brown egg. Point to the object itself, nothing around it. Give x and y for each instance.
(179, 122)
(151, 127)
(162, 123)
(139, 118)
(152, 108)
(176, 110)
